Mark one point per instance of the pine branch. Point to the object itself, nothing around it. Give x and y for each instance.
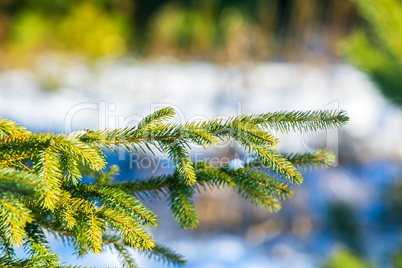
(35, 262)
(106, 178)
(130, 232)
(184, 167)
(182, 206)
(13, 217)
(155, 118)
(47, 168)
(8, 127)
(300, 121)
(317, 159)
(251, 136)
(113, 242)
(6, 246)
(40, 255)
(268, 184)
(251, 189)
(152, 186)
(276, 162)
(73, 148)
(118, 199)
(214, 177)
(166, 255)
(124, 255)
(19, 180)
(41, 189)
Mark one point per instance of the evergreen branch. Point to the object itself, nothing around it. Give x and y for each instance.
(205, 176)
(217, 177)
(182, 207)
(69, 168)
(6, 246)
(178, 154)
(197, 134)
(47, 168)
(116, 198)
(130, 232)
(8, 127)
(93, 233)
(35, 262)
(106, 178)
(77, 150)
(13, 217)
(19, 177)
(145, 131)
(40, 255)
(154, 186)
(12, 161)
(250, 135)
(24, 146)
(44, 170)
(251, 190)
(155, 118)
(113, 242)
(159, 252)
(300, 120)
(268, 183)
(314, 160)
(72, 208)
(166, 255)
(276, 162)
(124, 255)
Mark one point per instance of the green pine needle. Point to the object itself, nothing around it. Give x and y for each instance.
(41, 188)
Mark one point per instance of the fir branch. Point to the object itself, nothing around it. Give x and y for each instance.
(6, 246)
(250, 135)
(152, 186)
(166, 255)
(34, 262)
(254, 193)
(69, 168)
(178, 154)
(116, 198)
(51, 195)
(14, 215)
(216, 177)
(77, 150)
(268, 183)
(47, 169)
(124, 255)
(313, 160)
(40, 255)
(276, 162)
(93, 234)
(20, 178)
(300, 120)
(130, 232)
(197, 134)
(8, 127)
(114, 242)
(182, 206)
(107, 177)
(155, 118)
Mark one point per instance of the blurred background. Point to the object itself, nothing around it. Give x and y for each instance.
(67, 65)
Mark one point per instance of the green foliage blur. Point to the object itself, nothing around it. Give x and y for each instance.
(82, 28)
(378, 50)
(344, 259)
(217, 30)
(398, 259)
